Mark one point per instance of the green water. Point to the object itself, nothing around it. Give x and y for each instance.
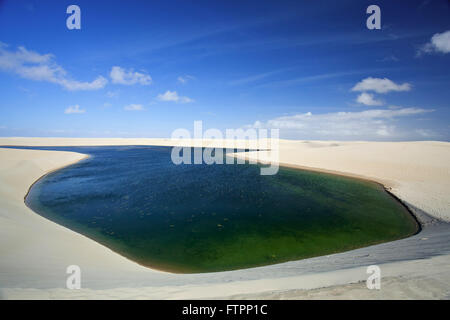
(202, 218)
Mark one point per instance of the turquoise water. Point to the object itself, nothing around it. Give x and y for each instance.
(201, 218)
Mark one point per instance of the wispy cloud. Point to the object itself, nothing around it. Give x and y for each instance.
(390, 58)
(209, 46)
(42, 67)
(426, 133)
(368, 124)
(185, 79)
(129, 77)
(74, 110)
(440, 42)
(312, 78)
(134, 107)
(380, 85)
(112, 94)
(173, 97)
(257, 77)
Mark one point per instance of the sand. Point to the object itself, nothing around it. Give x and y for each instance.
(35, 252)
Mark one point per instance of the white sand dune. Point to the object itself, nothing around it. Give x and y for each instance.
(35, 252)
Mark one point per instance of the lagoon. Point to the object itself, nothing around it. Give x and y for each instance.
(203, 218)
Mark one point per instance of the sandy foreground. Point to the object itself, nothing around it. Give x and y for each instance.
(35, 252)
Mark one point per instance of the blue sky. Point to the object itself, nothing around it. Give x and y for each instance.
(143, 69)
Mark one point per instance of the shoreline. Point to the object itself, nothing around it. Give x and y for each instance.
(86, 156)
(402, 260)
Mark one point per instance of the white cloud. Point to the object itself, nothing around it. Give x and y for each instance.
(185, 79)
(368, 124)
(385, 131)
(128, 77)
(174, 97)
(72, 85)
(368, 100)
(74, 109)
(380, 85)
(42, 67)
(134, 107)
(440, 42)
